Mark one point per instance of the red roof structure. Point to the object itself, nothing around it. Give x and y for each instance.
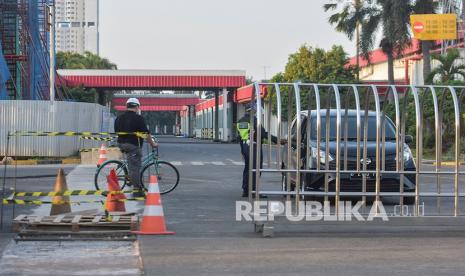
(154, 79)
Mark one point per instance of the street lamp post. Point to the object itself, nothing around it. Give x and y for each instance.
(52, 50)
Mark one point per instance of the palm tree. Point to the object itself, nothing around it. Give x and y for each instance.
(425, 7)
(448, 69)
(395, 21)
(390, 15)
(349, 27)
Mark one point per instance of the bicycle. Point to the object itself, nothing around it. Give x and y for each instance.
(167, 174)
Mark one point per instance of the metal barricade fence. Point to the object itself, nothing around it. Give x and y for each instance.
(337, 133)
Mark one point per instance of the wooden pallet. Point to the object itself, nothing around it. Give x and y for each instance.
(75, 223)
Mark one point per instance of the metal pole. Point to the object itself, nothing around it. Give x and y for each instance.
(299, 144)
(338, 148)
(278, 100)
(217, 113)
(251, 153)
(268, 122)
(4, 178)
(419, 148)
(457, 150)
(259, 120)
(52, 52)
(225, 115)
(378, 141)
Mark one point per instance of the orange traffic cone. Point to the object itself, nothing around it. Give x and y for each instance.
(60, 204)
(153, 222)
(113, 203)
(102, 155)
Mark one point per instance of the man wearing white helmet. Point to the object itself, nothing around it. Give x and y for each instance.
(132, 121)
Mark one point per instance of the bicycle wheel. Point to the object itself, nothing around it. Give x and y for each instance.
(167, 174)
(103, 172)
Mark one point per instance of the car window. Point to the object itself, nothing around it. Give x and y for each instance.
(352, 128)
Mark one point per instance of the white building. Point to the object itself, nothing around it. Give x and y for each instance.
(77, 26)
(408, 68)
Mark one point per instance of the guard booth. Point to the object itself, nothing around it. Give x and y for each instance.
(396, 154)
(205, 114)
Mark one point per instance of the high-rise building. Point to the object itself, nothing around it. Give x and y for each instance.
(77, 26)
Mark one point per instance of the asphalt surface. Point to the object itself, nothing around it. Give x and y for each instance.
(209, 240)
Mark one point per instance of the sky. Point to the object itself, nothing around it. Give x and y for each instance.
(253, 35)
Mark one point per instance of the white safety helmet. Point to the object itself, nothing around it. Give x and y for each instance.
(132, 102)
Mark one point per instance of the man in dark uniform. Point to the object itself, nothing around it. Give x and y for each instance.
(243, 127)
(132, 121)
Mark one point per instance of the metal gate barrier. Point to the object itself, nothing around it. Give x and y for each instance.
(351, 140)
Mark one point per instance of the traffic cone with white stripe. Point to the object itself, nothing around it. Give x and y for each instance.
(153, 221)
(114, 202)
(102, 155)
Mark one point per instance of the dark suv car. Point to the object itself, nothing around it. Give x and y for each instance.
(350, 182)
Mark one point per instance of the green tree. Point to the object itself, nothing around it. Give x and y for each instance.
(349, 27)
(70, 60)
(392, 16)
(448, 69)
(314, 65)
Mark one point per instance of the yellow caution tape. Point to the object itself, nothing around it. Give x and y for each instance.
(74, 133)
(72, 193)
(109, 139)
(58, 202)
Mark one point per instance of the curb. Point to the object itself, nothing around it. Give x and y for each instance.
(449, 163)
(32, 162)
(444, 163)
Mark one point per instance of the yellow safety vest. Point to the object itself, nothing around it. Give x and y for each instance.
(244, 130)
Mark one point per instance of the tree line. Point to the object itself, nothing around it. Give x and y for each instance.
(71, 60)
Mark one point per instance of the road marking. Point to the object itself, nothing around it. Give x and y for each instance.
(197, 163)
(176, 163)
(218, 163)
(236, 163)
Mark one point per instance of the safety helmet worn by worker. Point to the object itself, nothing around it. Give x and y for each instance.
(132, 102)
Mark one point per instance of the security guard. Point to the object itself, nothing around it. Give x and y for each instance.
(243, 127)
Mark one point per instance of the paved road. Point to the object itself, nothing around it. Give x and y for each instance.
(209, 241)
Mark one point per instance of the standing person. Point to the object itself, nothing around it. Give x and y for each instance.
(131, 144)
(243, 127)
